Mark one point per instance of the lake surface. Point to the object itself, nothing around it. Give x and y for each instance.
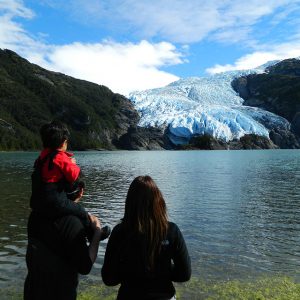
(239, 211)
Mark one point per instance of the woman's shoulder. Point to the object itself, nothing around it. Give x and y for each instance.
(174, 233)
(172, 226)
(118, 229)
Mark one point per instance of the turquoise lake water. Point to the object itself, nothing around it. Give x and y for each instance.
(239, 211)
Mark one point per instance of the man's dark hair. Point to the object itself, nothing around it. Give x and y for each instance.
(54, 134)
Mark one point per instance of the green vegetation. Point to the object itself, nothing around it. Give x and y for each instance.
(96, 291)
(31, 96)
(277, 288)
(11, 293)
(266, 288)
(280, 288)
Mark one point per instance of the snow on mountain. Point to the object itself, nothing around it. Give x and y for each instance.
(204, 105)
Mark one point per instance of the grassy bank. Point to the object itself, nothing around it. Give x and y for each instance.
(276, 288)
(279, 288)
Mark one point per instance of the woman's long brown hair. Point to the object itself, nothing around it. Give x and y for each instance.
(146, 213)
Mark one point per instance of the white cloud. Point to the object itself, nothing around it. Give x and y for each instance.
(15, 8)
(258, 58)
(12, 34)
(125, 67)
(14, 37)
(246, 62)
(183, 21)
(121, 67)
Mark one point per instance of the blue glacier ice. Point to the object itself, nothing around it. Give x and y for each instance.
(204, 105)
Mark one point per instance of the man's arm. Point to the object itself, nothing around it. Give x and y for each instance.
(74, 242)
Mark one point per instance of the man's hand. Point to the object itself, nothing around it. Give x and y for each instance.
(73, 160)
(95, 223)
(79, 196)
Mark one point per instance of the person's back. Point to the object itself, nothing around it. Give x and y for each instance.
(126, 264)
(145, 252)
(57, 251)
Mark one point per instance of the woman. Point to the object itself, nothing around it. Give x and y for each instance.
(145, 252)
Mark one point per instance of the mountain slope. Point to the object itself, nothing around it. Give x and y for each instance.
(31, 96)
(277, 90)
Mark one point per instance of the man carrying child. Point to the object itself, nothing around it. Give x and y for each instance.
(58, 226)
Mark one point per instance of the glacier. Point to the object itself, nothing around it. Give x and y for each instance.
(204, 105)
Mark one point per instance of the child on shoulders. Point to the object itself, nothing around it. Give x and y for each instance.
(57, 179)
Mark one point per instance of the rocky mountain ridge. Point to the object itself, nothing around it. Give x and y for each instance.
(267, 105)
(277, 91)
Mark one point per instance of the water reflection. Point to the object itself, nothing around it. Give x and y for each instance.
(239, 211)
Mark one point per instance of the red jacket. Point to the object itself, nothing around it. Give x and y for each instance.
(63, 167)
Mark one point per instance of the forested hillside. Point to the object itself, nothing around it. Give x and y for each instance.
(31, 96)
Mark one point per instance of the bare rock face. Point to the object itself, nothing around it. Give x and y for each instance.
(285, 139)
(248, 88)
(240, 85)
(276, 91)
(252, 141)
(247, 142)
(289, 67)
(129, 136)
(143, 138)
(296, 124)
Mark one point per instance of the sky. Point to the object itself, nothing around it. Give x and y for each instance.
(130, 45)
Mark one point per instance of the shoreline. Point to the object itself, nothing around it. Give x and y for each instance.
(146, 150)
